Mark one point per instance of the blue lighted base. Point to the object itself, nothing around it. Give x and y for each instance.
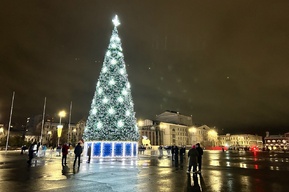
(111, 149)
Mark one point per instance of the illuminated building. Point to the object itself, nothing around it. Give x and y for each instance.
(240, 141)
(277, 142)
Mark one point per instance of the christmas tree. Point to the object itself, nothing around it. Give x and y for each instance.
(112, 116)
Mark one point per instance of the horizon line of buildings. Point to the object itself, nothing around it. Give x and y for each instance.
(168, 128)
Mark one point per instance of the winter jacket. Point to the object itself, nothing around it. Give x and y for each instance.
(193, 155)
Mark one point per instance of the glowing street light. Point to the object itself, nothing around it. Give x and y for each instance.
(59, 127)
(140, 123)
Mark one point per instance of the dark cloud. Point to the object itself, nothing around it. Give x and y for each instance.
(223, 62)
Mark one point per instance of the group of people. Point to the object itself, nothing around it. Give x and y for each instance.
(195, 155)
(33, 149)
(77, 152)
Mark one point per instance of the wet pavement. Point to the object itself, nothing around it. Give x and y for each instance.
(222, 171)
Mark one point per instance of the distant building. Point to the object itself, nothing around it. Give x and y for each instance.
(277, 142)
(174, 118)
(205, 135)
(50, 134)
(174, 134)
(150, 129)
(240, 141)
(172, 128)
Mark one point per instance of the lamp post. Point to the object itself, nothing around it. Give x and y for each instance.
(59, 127)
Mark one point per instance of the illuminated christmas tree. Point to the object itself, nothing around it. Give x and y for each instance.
(112, 116)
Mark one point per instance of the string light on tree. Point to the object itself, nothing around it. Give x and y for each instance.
(112, 116)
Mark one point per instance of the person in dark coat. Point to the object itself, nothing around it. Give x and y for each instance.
(77, 152)
(89, 153)
(64, 153)
(173, 152)
(200, 151)
(193, 159)
(182, 153)
(31, 150)
(176, 154)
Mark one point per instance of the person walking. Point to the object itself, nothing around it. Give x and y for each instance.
(193, 159)
(200, 151)
(31, 150)
(176, 153)
(89, 153)
(77, 152)
(173, 152)
(64, 154)
(161, 150)
(182, 153)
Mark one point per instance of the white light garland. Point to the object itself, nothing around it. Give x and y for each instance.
(128, 85)
(113, 61)
(105, 100)
(120, 99)
(124, 92)
(99, 125)
(100, 90)
(127, 113)
(94, 110)
(111, 111)
(120, 123)
(104, 70)
(111, 82)
(121, 71)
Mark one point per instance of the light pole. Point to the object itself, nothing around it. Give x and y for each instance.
(59, 127)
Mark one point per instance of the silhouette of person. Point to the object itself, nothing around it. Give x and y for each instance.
(89, 153)
(77, 152)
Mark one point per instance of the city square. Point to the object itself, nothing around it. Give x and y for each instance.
(222, 171)
(129, 96)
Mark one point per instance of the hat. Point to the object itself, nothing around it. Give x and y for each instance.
(193, 146)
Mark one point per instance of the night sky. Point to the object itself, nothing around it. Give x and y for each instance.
(223, 62)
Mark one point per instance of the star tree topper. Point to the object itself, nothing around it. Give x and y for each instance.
(116, 21)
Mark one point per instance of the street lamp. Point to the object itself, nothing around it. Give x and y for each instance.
(59, 127)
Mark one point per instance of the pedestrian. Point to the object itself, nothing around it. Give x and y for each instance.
(176, 151)
(58, 150)
(31, 150)
(23, 149)
(64, 154)
(193, 159)
(89, 153)
(161, 150)
(182, 153)
(200, 151)
(44, 148)
(77, 152)
(173, 152)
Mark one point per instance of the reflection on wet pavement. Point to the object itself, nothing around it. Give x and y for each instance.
(222, 171)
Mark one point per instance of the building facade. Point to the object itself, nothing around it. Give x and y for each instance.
(277, 142)
(241, 141)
